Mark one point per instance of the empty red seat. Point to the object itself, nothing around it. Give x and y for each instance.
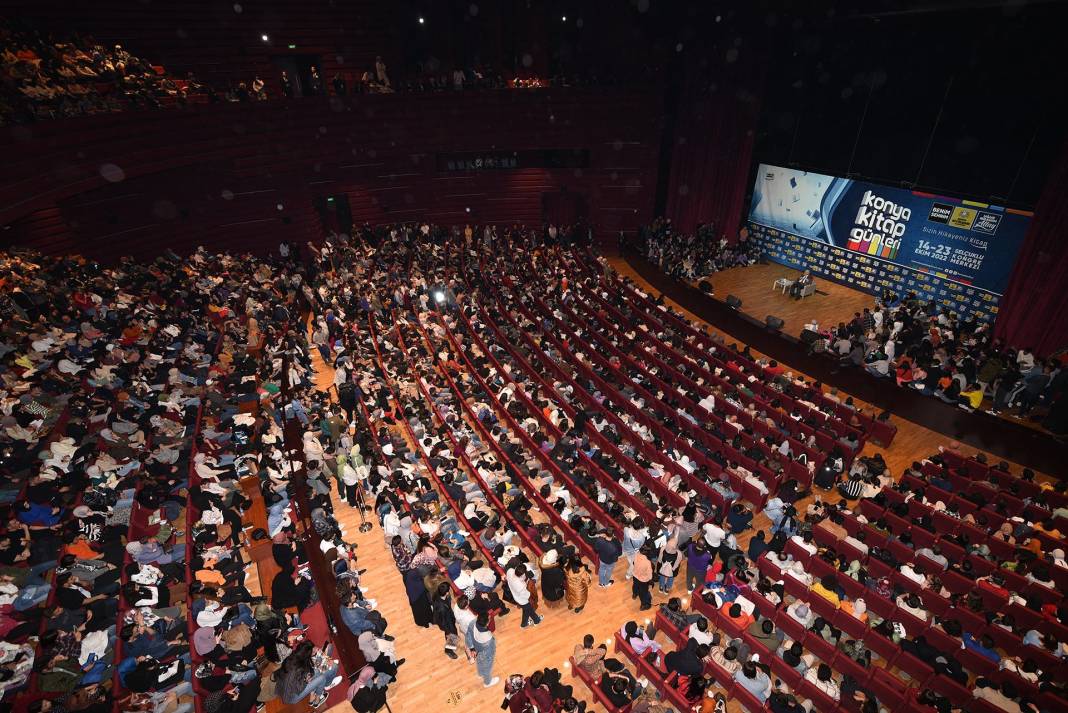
(882, 646)
(887, 689)
(955, 692)
(851, 625)
(823, 649)
(914, 667)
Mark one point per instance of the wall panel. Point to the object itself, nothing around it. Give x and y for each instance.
(216, 175)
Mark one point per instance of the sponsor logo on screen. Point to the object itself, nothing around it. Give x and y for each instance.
(878, 227)
(963, 217)
(940, 213)
(987, 222)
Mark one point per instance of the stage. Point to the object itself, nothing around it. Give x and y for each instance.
(832, 303)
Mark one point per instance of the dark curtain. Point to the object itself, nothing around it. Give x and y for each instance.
(1034, 310)
(713, 147)
(563, 207)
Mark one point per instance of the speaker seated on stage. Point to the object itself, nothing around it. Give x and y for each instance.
(800, 284)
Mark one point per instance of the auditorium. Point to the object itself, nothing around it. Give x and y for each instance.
(540, 356)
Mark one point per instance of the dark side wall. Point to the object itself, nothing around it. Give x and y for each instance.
(242, 177)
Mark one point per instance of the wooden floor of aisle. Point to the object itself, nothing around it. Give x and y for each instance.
(430, 682)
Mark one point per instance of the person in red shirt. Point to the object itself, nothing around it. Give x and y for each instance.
(774, 369)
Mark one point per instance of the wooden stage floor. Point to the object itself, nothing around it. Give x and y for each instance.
(431, 682)
(832, 303)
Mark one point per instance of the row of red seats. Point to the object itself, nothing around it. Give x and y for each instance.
(558, 522)
(881, 432)
(460, 452)
(932, 601)
(657, 346)
(763, 397)
(490, 560)
(985, 471)
(551, 430)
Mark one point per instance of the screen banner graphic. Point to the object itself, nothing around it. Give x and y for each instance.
(872, 237)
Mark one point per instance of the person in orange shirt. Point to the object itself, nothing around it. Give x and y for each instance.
(81, 549)
(210, 576)
(857, 608)
(1035, 545)
(132, 333)
(1050, 528)
(734, 612)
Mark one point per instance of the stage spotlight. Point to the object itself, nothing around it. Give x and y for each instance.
(265, 38)
(564, 18)
(422, 21)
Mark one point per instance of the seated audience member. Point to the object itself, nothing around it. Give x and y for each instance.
(754, 680)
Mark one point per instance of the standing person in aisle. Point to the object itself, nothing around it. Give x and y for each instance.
(642, 579)
(480, 639)
(634, 536)
(444, 619)
(608, 551)
(577, 581)
(517, 578)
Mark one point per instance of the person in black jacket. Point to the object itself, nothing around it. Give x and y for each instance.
(346, 396)
(552, 578)
(608, 549)
(444, 619)
(289, 589)
(687, 661)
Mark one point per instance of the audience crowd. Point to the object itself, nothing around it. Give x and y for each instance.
(916, 342)
(520, 422)
(43, 76)
(691, 257)
(145, 463)
(933, 350)
(48, 76)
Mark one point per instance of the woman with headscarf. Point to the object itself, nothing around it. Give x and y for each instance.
(552, 580)
(364, 695)
(590, 658)
(1004, 533)
(480, 639)
(577, 582)
(401, 555)
(374, 648)
(417, 598)
(441, 609)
